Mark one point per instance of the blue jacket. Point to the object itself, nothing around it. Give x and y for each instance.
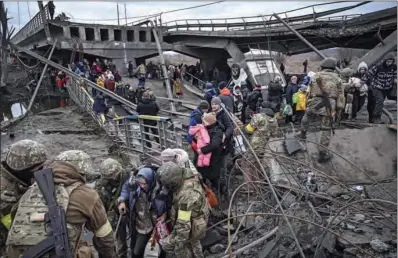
(99, 104)
(130, 192)
(195, 118)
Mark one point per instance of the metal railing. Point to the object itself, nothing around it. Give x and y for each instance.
(31, 26)
(132, 132)
(293, 17)
(201, 85)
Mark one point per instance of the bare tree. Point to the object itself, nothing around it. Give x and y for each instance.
(5, 39)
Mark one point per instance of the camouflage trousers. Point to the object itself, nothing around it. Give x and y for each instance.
(315, 111)
(193, 249)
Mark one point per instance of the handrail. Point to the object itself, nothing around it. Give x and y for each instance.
(199, 80)
(34, 23)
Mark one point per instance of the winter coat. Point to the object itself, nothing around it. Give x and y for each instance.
(99, 105)
(253, 98)
(228, 129)
(215, 148)
(302, 101)
(227, 99)
(100, 82)
(365, 76)
(194, 118)
(148, 107)
(382, 77)
(210, 93)
(203, 139)
(110, 85)
(290, 90)
(238, 102)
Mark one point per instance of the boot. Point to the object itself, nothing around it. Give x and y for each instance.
(302, 135)
(323, 156)
(378, 121)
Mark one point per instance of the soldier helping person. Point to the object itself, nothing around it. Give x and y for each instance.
(79, 206)
(16, 172)
(109, 187)
(326, 96)
(189, 213)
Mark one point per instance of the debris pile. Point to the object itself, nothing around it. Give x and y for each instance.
(323, 213)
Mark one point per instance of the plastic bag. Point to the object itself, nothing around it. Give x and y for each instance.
(295, 98)
(239, 145)
(288, 110)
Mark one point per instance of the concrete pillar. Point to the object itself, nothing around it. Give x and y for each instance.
(136, 35)
(238, 57)
(111, 35)
(82, 33)
(97, 34)
(148, 35)
(124, 35)
(66, 32)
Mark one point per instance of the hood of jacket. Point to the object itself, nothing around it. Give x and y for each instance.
(306, 80)
(234, 91)
(225, 92)
(146, 101)
(389, 56)
(195, 112)
(149, 176)
(66, 174)
(362, 65)
(209, 86)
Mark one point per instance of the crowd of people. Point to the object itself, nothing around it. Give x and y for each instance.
(171, 204)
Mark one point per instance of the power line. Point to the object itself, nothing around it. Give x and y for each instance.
(153, 15)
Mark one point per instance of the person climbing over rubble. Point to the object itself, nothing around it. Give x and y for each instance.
(262, 127)
(82, 206)
(109, 187)
(142, 206)
(325, 89)
(383, 78)
(275, 91)
(22, 159)
(252, 101)
(189, 213)
(301, 104)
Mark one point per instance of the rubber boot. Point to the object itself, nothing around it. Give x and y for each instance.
(302, 135)
(323, 156)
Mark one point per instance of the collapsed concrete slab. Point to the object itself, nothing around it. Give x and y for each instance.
(373, 150)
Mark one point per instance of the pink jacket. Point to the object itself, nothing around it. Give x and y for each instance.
(203, 139)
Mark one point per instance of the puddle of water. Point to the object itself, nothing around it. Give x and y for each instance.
(10, 110)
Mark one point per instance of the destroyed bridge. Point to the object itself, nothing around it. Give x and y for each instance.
(215, 39)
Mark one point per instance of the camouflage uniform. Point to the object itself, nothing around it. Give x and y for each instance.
(189, 213)
(109, 187)
(316, 108)
(82, 205)
(263, 126)
(22, 155)
(345, 75)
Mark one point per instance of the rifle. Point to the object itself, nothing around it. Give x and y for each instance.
(326, 101)
(56, 217)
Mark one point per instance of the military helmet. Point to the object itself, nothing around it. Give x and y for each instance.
(347, 73)
(111, 169)
(25, 154)
(81, 160)
(329, 63)
(170, 174)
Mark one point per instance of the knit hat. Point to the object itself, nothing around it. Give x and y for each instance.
(216, 100)
(203, 104)
(222, 85)
(303, 88)
(209, 118)
(209, 86)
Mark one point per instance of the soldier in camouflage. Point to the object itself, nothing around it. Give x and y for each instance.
(345, 75)
(262, 127)
(109, 187)
(326, 87)
(82, 205)
(16, 172)
(189, 213)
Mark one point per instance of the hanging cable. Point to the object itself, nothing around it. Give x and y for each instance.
(30, 17)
